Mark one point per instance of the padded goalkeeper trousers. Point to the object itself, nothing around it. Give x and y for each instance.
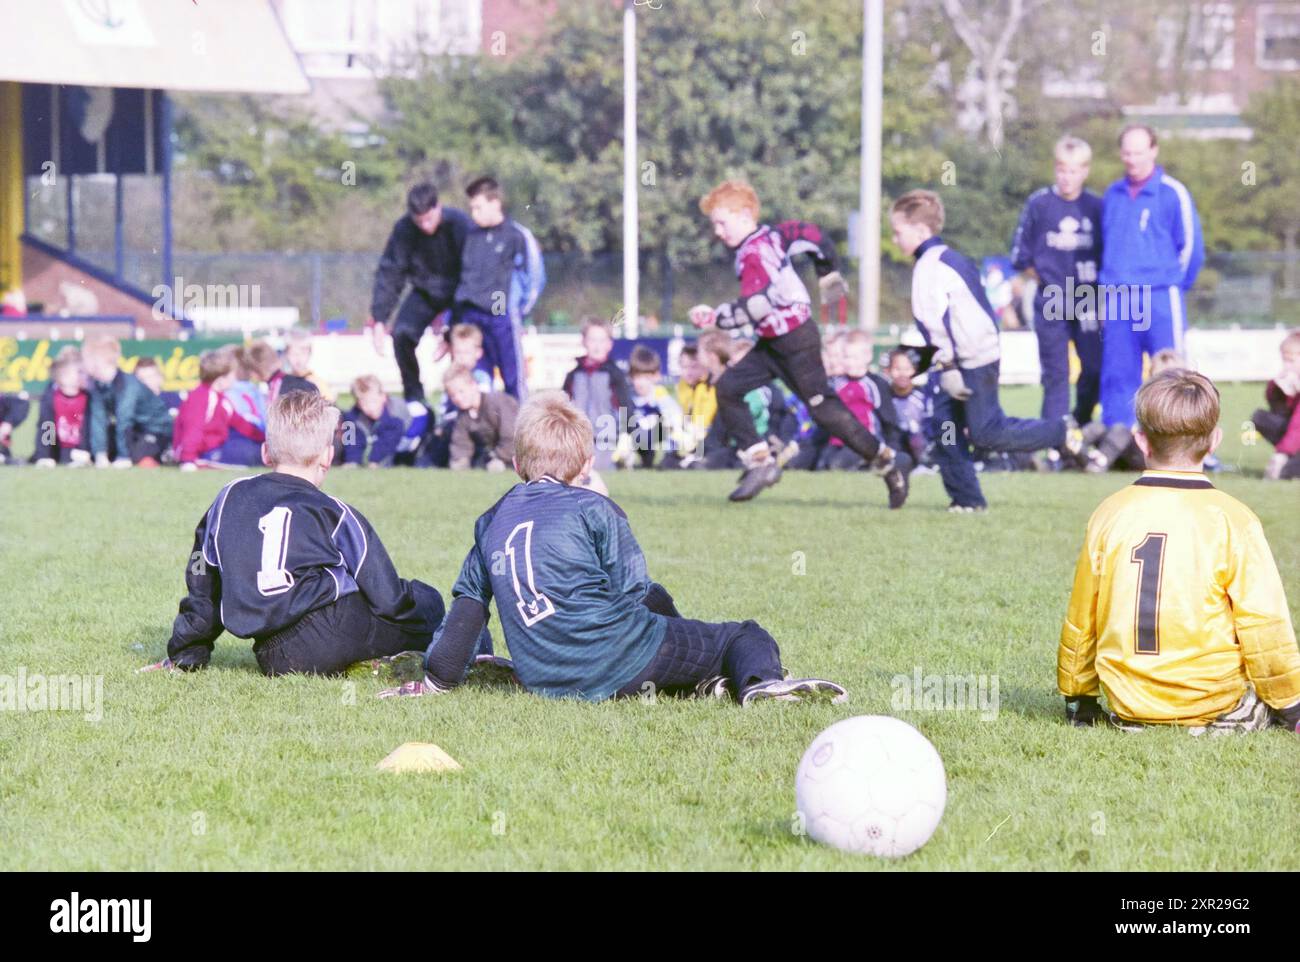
(795, 358)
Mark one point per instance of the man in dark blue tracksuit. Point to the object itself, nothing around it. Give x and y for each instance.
(424, 249)
(1059, 237)
(1153, 250)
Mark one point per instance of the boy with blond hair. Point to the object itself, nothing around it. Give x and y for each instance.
(600, 389)
(775, 302)
(1178, 614)
(1058, 239)
(484, 432)
(277, 560)
(298, 374)
(580, 615)
(105, 381)
(465, 345)
(370, 433)
(960, 330)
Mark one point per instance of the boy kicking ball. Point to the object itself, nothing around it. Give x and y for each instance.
(1178, 613)
(278, 560)
(580, 615)
(789, 348)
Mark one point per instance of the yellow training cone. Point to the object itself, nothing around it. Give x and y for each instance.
(418, 757)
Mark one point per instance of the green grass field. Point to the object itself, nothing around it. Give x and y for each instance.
(225, 769)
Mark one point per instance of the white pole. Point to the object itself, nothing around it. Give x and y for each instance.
(873, 58)
(631, 270)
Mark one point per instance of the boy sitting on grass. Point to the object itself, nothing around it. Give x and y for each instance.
(1178, 612)
(143, 427)
(370, 433)
(580, 615)
(277, 560)
(1280, 422)
(483, 435)
(63, 425)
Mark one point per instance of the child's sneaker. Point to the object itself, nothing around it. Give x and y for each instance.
(795, 689)
(1073, 443)
(956, 508)
(415, 430)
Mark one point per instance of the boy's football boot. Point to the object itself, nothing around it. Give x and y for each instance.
(794, 689)
(897, 483)
(719, 687)
(755, 479)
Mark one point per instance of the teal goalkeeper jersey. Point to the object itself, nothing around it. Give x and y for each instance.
(569, 580)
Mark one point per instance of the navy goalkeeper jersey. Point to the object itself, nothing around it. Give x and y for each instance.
(270, 549)
(1060, 239)
(569, 580)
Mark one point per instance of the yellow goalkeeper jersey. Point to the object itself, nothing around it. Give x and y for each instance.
(1177, 604)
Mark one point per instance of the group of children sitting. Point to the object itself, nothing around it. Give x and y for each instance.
(96, 412)
(641, 422)
(1212, 651)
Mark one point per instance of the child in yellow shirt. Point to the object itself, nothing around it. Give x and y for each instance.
(1178, 613)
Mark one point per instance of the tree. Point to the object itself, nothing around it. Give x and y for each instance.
(1270, 176)
(771, 95)
(261, 173)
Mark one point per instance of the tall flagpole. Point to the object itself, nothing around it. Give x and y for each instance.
(631, 268)
(873, 56)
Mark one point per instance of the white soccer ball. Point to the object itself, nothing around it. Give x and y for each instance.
(872, 785)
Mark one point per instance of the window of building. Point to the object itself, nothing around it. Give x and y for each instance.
(1277, 36)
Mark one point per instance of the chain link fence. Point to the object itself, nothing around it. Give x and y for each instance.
(1246, 289)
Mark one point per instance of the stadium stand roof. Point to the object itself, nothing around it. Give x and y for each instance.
(230, 46)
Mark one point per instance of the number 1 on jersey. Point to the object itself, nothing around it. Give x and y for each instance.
(536, 607)
(272, 577)
(1149, 556)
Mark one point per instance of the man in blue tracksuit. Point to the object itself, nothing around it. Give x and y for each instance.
(1152, 252)
(1059, 238)
(501, 278)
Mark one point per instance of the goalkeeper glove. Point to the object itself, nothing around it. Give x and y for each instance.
(729, 316)
(1083, 711)
(954, 384)
(834, 288)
